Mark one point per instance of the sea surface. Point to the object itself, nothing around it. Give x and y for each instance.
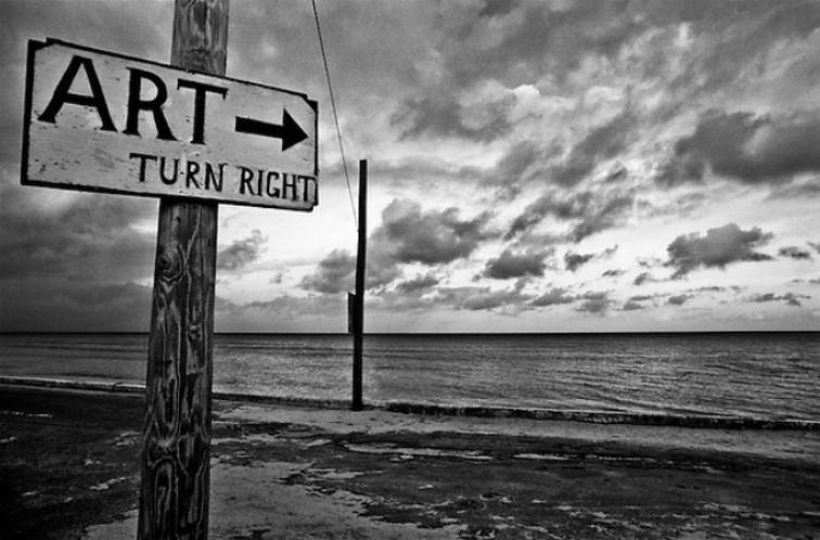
(769, 376)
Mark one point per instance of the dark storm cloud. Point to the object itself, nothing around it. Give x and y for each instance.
(406, 235)
(794, 252)
(440, 115)
(588, 212)
(719, 247)
(553, 297)
(382, 268)
(497, 8)
(57, 305)
(90, 238)
(714, 288)
(678, 300)
(536, 36)
(632, 305)
(745, 147)
(418, 284)
(529, 37)
(241, 252)
(745, 27)
(521, 163)
(595, 302)
(642, 278)
(481, 41)
(481, 298)
(409, 234)
(476, 43)
(601, 143)
(574, 261)
(791, 299)
(602, 216)
(513, 265)
(269, 39)
(334, 274)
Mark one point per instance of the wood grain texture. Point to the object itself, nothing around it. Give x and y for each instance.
(177, 430)
(200, 39)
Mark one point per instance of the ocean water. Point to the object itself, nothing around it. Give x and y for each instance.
(769, 376)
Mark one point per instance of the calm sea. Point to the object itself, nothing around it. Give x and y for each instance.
(769, 376)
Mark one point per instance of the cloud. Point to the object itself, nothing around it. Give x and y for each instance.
(794, 252)
(613, 272)
(496, 8)
(418, 284)
(791, 299)
(631, 305)
(553, 297)
(241, 252)
(318, 312)
(503, 46)
(719, 247)
(573, 261)
(440, 114)
(480, 298)
(406, 235)
(642, 278)
(745, 147)
(678, 300)
(601, 143)
(82, 236)
(334, 274)
(595, 302)
(589, 212)
(512, 265)
(521, 163)
(815, 245)
(64, 305)
(410, 235)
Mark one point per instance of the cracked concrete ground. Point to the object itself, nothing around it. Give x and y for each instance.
(69, 469)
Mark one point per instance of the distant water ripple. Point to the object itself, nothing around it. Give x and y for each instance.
(767, 376)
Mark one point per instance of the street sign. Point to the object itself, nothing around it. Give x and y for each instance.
(101, 121)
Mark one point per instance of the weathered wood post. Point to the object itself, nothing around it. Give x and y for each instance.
(358, 311)
(177, 430)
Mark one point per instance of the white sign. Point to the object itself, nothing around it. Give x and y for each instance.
(100, 121)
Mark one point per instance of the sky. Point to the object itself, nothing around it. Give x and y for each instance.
(563, 166)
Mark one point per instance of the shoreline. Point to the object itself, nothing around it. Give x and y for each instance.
(69, 463)
(595, 417)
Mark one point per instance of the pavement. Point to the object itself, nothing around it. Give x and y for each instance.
(69, 464)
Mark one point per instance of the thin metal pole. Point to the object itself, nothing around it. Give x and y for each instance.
(358, 312)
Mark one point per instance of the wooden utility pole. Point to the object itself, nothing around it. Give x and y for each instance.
(358, 311)
(177, 431)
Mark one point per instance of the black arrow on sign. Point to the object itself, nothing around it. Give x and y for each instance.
(289, 131)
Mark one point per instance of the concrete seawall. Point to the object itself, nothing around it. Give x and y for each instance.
(595, 417)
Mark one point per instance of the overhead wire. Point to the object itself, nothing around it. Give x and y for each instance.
(335, 114)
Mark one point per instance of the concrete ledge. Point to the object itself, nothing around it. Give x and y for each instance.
(594, 417)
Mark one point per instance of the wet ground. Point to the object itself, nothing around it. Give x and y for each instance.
(69, 469)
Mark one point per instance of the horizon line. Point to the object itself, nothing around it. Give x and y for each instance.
(580, 333)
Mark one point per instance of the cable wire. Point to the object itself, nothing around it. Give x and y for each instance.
(335, 114)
